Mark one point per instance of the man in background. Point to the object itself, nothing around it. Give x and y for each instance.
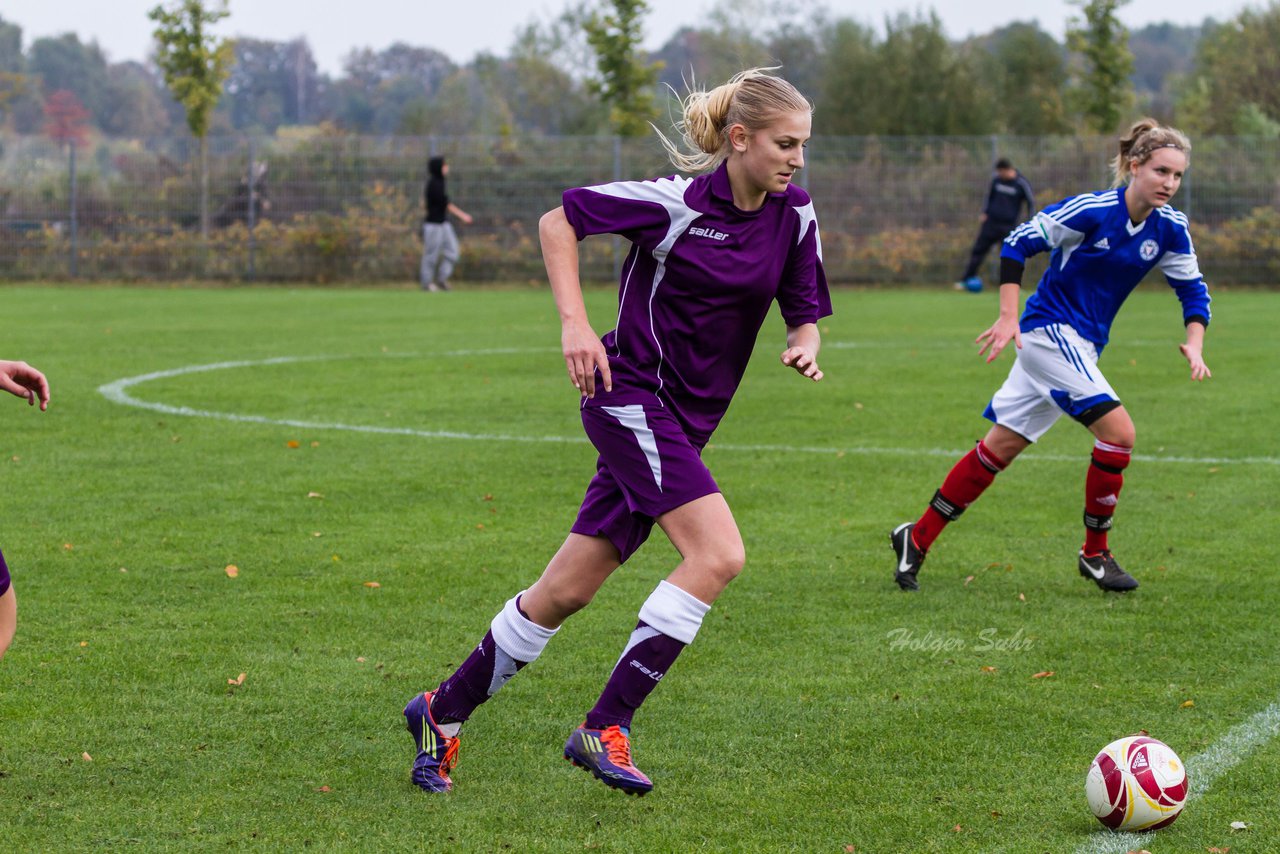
(1001, 212)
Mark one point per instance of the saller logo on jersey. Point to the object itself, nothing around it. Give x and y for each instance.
(699, 231)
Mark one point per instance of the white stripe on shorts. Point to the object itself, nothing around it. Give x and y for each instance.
(632, 417)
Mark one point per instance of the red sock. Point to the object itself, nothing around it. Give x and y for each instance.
(964, 483)
(1101, 491)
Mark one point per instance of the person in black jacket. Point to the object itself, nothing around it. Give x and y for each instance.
(1001, 212)
(439, 241)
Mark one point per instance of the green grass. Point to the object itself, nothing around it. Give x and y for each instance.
(793, 723)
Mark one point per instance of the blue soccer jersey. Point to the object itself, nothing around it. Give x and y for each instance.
(1099, 257)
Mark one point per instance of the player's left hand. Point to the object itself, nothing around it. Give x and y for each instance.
(1199, 370)
(803, 361)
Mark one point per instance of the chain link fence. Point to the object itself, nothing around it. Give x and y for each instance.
(314, 207)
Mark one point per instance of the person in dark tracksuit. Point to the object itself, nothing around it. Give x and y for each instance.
(1001, 212)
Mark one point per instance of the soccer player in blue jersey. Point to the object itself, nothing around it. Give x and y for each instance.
(709, 256)
(21, 380)
(1103, 244)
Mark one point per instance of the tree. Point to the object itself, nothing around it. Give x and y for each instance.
(626, 79)
(913, 82)
(65, 63)
(272, 83)
(194, 64)
(66, 119)
(389, 91)
(11, 59)
(134, 102)
(1233, 89)
(1028, 71)
(1104, 92)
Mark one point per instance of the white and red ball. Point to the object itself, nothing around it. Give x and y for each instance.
(1136, 783)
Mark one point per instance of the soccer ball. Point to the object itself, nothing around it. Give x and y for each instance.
(1136, 783)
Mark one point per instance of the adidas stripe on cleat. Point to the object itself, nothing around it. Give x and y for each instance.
(606, 753)
(437, 752)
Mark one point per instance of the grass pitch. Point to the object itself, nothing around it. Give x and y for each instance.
(430, 445)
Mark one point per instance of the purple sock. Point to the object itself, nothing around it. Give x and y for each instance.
(485, 671)
(648, 656)
(4, 575)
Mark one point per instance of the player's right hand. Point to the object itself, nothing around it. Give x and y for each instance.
(22, 380)
(998, 336)
(583, 354)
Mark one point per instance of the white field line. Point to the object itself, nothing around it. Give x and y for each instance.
(1203, 770)
(117, 392)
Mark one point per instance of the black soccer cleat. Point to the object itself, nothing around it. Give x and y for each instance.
(1106, 573)
(910, 557)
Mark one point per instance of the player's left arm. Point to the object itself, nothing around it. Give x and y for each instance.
(804, 297)
(1182, 272)
(1193, 350)
(803, 343)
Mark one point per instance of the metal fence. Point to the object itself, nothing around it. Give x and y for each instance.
(314, 207)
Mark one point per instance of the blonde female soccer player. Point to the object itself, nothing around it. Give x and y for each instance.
(709, 256)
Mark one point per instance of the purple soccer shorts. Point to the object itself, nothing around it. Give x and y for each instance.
(647, 467)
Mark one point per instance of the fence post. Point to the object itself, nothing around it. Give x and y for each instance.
(251, 216)
(75, 231)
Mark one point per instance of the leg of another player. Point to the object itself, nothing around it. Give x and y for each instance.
(966, 481)
(1112, 451)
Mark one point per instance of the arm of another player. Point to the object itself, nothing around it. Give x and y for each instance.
(1193, 350)
(22, 380)
(803, 342)
(583, 352)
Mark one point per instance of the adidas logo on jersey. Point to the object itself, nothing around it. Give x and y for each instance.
(1102, 244)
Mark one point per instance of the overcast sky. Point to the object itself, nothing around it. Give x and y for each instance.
(463, 28)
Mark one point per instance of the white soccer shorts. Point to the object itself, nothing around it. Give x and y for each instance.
(1055, 374)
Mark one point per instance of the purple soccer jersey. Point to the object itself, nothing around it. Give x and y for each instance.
(697, 286)
(4, 575)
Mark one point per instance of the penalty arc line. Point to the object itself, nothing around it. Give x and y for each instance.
(1203, 770)
(117, 392)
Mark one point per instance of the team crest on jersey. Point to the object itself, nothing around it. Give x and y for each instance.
(1148, 249)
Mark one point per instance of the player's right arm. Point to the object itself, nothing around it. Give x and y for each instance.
(1005, 329)
(582, 348)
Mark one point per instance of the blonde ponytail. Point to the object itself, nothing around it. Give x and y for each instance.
(751, 98)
